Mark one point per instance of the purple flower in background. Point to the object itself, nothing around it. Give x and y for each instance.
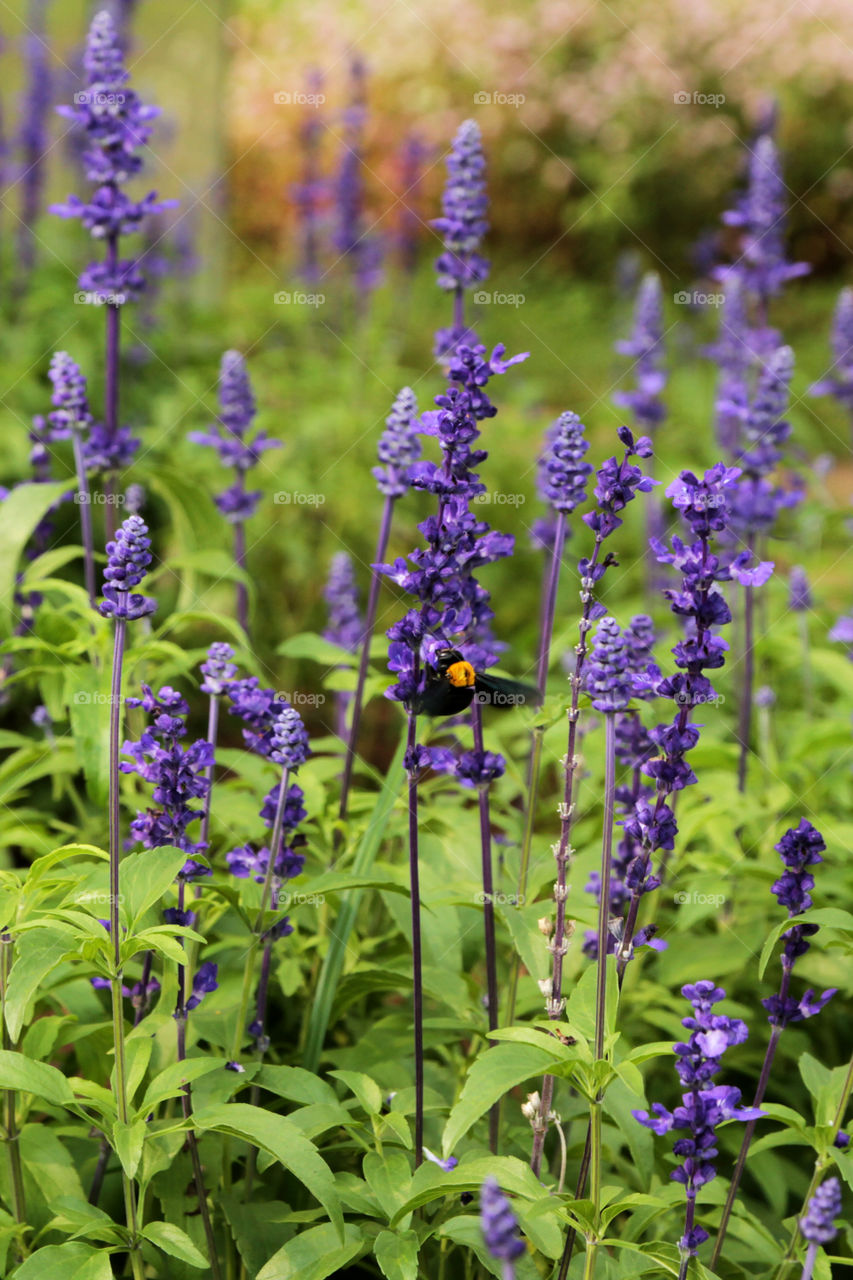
(499, 1224)
(562, 472)
(450, 1163)
(311, 192)
(399, 446)
(760, 216)
(361, 251)
(462, 226)
(341, 594)
(842, 632)
(204, 982)
(818, 1224)
(247, 863)
(704, 1105)
(734, 355)
(134, 499)
(645, 347)
(33, 137)
(800, 595)
(414, 154)
(70, 402)
(800, 849)
(128, 560)
(838, 382)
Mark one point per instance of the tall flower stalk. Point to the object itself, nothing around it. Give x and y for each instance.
(10, 1115)
(218, 671)
(128, 559)
(818, 1224)
(800, 849)
(562, 479)
(229, 437)
(462, 226)
(703, 1107)
(116, 125)
(71, 417)
(500, 1227)
(399, 447)
(838, 382)
(617, 484)
(33, 139)
(345, 626)
(310, 193)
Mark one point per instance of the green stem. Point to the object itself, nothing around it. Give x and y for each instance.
(19, 1204)
(537, 738)
(595, 1190)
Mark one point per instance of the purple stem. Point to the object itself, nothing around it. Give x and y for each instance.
(688, 1227)
(488, 908)
(810, 1260)
(745, 714)
(111, 403)
(606, 863)
(115, 819)
(369, 622)
(417, 964)
(549, 605)
(561, 891)
(84, 502)
(212, 734)
(750, 1126)
(242, 589)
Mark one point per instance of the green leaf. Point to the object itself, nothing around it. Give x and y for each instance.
(832, 918)
(317, 649)
(314, 1254)
(87, 696)
(20, 512)
(327, 984)
(389, 1178)
(494, 1073)
(49, 1164)
(297, 1084)
(365, 1089)
(397, 1254)
(39, 1078)
(145, 877)
(282, 1139)
(62, 1262)
(36, 952)
(430, 1182)
(128, 1141)
(167, 1083)
(175, 1242)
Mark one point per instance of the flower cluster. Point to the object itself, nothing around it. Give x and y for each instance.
(818, 1224)
(760, 216)
(177, 773)
(617, 484)
(128, 559)
(117, 128)
(218, 669)
(311, 192)
(228, 436)
(607, 678)
(345, 624)
(562, 472)
(800, 849)
(645, 347)
(399, 446)
(462, 226)
(362, 252)
(705, 1105)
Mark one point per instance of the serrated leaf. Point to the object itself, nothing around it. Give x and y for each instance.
(493, 1073)
(397, 1254)
(282, 1139)
(39, 1078)
(314, 1254)
(175, 1242)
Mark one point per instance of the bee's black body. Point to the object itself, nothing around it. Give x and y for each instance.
(453, 684)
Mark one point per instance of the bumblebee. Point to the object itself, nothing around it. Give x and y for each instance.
(453, 684)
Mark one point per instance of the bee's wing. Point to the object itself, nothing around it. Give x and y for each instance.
(498, 691)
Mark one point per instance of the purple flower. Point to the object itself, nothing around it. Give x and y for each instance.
(562, 472)
(818, 1224)
(464, 204)
(311, 192)
(450, 1163)
(645, 347)
(760, 216)
(228, 436)
(800, 847)
(704, 1105)
(800, 595)
(498, 1222)
(289, 743)
(345, 624)
(70, 402)
(362, 252)
(218, 669)
(399, 445)
(128, 560)
(245, 863)
(607, 678)
(204, 982)
(478, 769)
(733, 353)
(618, 483)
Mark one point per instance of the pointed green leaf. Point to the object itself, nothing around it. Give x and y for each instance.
(397, 1254)
(20, 512)
(128, 1141)
(314, 1254)
(36, 952)
(494, 1073)
(145, 877)
(39, 1078)
(175, 1242)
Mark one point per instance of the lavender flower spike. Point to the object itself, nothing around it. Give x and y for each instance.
(463, 225)
(71, 417)
(500, 1228)
(839, 381)
(608, 679)
(818, 1224)
(645, 347)
(128, 560)
(399, 446)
